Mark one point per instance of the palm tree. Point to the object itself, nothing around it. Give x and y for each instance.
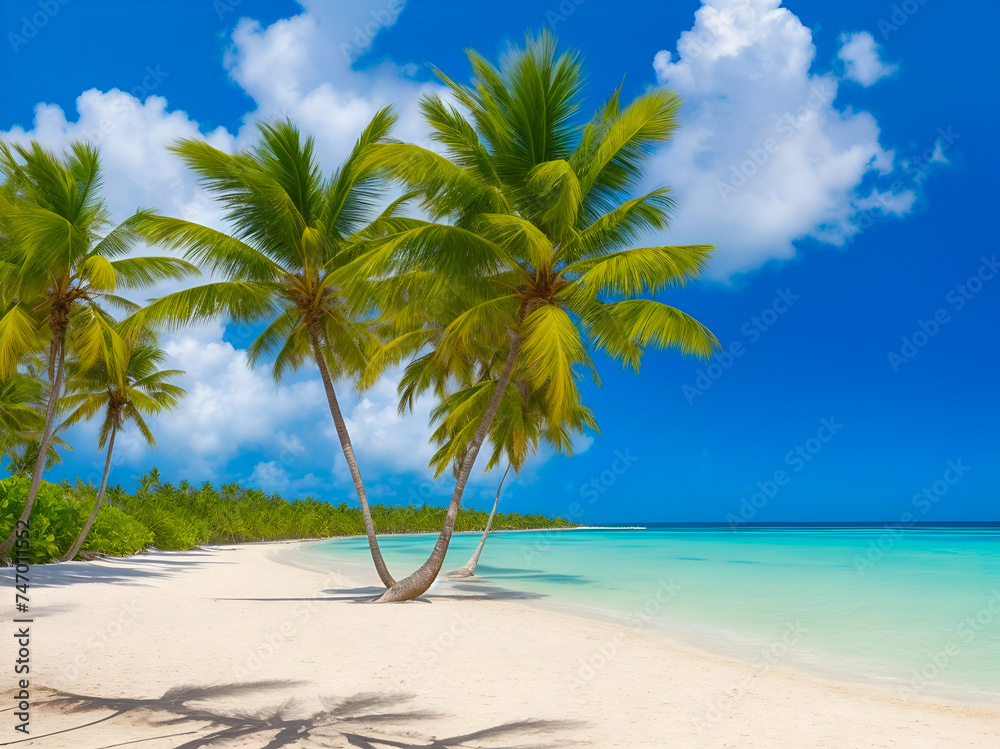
(515, 432)
(140, 389)
(150, 481)
(23, 395)
(469, 568)
(536, 242)
(61, 259)
(23, 456)
(20, 415)
(291, 230)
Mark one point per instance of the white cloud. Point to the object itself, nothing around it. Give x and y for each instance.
(271, 476)
(377, 430)
(860, 55)
(133, 137)
(229, 407)
(895, 204)
(763, 156)
(302, 68)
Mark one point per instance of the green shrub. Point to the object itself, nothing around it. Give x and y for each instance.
(117, 534)
(58, 517)
(55, 520)
(171, 529)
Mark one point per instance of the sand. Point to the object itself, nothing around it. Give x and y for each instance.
(246, 645)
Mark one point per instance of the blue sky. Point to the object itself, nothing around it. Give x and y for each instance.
(841, 156)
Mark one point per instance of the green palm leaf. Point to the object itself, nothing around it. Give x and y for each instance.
(551, 347)
(641, 270)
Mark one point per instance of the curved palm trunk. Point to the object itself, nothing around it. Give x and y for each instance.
(71, 554)
(43, 447)
(352, 464)
(418, 583)
(470, 567)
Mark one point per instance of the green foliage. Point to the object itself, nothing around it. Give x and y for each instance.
(23, 396)
(62, 255)
(117, 534)
(182, 517)
(179, 517)
(124, 391)
(531, 265)
(291, 229)
(59, 514)
(55, 521)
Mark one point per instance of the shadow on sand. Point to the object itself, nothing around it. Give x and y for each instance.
(444, 590)
(353, 719)
(132, 570)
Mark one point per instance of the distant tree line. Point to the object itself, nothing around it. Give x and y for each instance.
(169, 517)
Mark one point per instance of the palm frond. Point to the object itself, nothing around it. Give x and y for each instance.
(618, 142)
(242, 302)
(19, 335)
(555, 194)
(551, 347)
(651, 323)
(639, 270)
(213, 250)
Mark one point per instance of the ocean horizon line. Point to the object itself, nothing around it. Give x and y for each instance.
(801, 524)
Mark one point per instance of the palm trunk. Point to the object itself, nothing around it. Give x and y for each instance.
(71, 554)
(470, 567)
(352, 463)
(43, 447)
(418, 583)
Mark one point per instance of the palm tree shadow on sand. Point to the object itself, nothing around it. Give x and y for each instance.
(472, 589)
(288, 724)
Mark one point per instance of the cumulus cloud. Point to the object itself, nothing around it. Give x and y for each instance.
(860, 55)
(764, 155)
(231, 410)
(272, 476)
(378, 431)
(133, 136)
(304, 68)
(582, 443)
(229, 407)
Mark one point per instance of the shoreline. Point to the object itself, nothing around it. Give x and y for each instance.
(824, 670)
(191, 636)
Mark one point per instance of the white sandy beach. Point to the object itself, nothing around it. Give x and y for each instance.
(139, 638)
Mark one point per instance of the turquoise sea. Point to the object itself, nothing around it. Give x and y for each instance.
(914, 610)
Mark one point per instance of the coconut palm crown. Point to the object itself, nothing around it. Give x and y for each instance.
(530, 249)
(290, 232)
(125, 392)
(61, 261)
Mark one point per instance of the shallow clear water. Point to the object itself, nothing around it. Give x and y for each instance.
(917, 611)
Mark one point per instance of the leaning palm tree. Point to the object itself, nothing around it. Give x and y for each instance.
(61, 259)
(290, 231)
(533, 229)
(125, 391)
(469, 568)
(515, 432)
